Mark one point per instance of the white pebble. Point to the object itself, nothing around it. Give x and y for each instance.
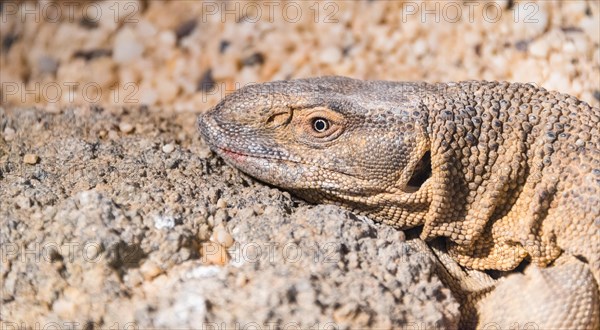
(9, 134)
(167, 90)
(221, 216)
(222, 236)
(23, 202)
(590, 26)
(419, 47)
(204, 272)
(167, 38)
(146, 29)
(331, 55)
(148, 96)
(126, 47)
(88, 197)
(539, 48)
(113, 135)
(168, 148)
(164, 222)
(125, 127)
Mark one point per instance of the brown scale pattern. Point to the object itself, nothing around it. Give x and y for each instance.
(500, 164)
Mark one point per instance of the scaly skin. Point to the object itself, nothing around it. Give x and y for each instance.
(504, 173)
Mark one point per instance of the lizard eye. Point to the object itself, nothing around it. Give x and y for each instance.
(320, 125)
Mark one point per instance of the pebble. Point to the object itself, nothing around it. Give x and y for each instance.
(270, 210)
(173, 197)
(254, 59)
(64, 308)
(204, 272)
(31, 159)
(258, 209)
(133, 278)
(150, 270)
(148, 95)
(23, 202)
(167, 89)
(590, 26)
(221, 216)
(184, 253)
(9, 134)
(222, 236)
(330, 55)
(125, 127)
(167, 38)
(203, 151)
(241, 280)
(126, 47)
(246, 212)
(168, 148)
(69, 305)
(89, 197)
(526, 24)
(213, 254)
(539, 48)
(222, 203)
(164, 222)
(113, 135)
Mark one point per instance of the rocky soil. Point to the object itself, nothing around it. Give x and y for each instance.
(125, 219)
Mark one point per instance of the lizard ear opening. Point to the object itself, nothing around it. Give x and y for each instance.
(422, 171)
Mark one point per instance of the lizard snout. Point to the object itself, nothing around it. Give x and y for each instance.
(208, 127)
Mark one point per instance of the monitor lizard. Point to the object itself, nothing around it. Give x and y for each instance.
(499, 176)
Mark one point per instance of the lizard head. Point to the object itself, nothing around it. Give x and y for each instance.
(356, 143)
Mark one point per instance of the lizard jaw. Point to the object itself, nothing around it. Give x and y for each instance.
(232, 155)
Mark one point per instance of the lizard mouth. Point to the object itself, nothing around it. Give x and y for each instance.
(238, 156)
(241, 156)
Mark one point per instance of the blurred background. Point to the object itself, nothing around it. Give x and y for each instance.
(186, 55)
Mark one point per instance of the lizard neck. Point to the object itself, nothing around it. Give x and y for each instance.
(479, 142)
